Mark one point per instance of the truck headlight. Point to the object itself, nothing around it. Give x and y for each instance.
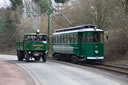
(29, 52)
(46, 52)
(96, 51)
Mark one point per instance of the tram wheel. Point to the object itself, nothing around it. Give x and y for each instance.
(74, 59)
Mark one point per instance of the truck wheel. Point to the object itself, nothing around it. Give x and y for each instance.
(26, 57)
(19, 56)
(44, 58)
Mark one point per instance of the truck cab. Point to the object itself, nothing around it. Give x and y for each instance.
(34, 46)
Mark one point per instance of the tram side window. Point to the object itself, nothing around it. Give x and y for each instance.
(52, 40)
(67, 38)
(55, 40)
(96, 37)
(62, 41)
(58, 39)
(64, 38)
(75, 38)
(72, 38)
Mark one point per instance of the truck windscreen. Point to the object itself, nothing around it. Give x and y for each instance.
(35, 38)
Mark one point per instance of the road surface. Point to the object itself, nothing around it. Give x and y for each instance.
(57, 73)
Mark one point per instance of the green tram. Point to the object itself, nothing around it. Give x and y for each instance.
(34, 46)
(78, 43)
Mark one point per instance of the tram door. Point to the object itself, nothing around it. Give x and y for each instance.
(82, 44)
(85, 43)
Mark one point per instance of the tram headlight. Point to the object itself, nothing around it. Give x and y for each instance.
(96, 51)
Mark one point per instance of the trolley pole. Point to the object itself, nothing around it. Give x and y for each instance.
(49, 13)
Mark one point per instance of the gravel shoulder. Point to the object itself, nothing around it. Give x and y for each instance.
(11, 74)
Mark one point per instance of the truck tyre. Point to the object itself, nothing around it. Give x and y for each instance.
(19, 56)
(44, 58)
(26, 57)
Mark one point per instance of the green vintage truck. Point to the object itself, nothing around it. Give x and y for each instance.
(34, 46)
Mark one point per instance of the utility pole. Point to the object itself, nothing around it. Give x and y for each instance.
(49, 13)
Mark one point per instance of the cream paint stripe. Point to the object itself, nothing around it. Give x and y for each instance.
(95, 57)
(63, 48)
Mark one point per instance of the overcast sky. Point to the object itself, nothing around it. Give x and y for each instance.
(4, 3)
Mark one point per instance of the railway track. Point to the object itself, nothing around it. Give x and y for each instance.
(121, 70)
(113, 68)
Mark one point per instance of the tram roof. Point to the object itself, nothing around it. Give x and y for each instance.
(82, 30)
(78, 27)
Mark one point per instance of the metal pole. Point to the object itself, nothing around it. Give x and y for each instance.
(49, 13)
(0, 28)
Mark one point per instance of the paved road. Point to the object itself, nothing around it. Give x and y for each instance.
(54, 73)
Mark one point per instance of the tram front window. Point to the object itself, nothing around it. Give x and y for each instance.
(101, 37)
(96, 37)
(88, 38)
